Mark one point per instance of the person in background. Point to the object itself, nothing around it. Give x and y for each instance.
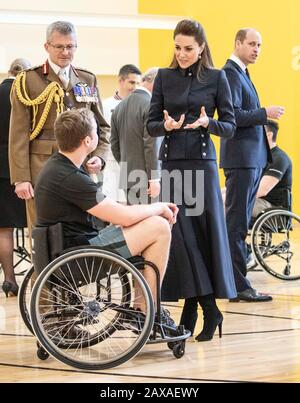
(12, 209)
(132, 147)
(275, 185)
(244, 156)
(129, 78)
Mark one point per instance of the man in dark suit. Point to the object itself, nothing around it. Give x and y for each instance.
(131, 145)
(244, 156)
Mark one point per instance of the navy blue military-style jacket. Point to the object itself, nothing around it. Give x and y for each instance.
(180, 92)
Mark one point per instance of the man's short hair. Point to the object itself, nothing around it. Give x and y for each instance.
(128, 69)
(150, 75)
(241, 35)
(71, 127)
(62, 27)
(273, 127)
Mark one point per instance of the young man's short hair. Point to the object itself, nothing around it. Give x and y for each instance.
(273, 127)
(71, 127)
(128, 69)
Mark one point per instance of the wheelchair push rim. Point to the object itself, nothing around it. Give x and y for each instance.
(24, 298)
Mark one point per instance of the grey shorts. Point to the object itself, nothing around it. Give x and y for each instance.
(112, 237)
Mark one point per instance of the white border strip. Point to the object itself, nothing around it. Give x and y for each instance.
(88, 20)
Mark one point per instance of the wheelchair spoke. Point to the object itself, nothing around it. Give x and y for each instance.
(70, 287)
(84, 313)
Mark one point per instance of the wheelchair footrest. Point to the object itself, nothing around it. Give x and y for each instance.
(163, 333)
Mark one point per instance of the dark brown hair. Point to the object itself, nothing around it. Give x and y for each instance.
(71, 127)
(273, 127)
(128, 69)
(195, 29)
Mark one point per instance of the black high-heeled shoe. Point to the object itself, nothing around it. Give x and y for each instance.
(212, 318)
(10, 288)
(209, 328)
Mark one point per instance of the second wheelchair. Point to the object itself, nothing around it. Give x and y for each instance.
(275, 239)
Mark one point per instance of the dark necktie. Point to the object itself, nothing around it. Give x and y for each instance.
(248, 75)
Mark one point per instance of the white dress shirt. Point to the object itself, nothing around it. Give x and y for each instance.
(57, 68)
(238, 62)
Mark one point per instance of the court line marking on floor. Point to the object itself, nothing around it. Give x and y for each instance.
(17, 335)
(246, 313)
(224, 334)
(124, 375)
(258, 315)
(260, 331)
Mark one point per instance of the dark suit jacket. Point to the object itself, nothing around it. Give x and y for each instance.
(130, 141)
(179, 91)
(5, 108)
(249, 147)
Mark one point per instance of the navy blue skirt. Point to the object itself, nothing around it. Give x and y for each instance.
(200, 261)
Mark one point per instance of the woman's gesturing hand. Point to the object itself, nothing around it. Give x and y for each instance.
(170, 123)
(203, 121)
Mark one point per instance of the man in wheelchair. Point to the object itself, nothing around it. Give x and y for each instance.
(276, 183)
(66, 194)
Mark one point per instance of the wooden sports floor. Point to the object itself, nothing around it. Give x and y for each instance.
(261, 343)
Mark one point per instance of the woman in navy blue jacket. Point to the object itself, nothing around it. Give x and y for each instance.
(184, 100)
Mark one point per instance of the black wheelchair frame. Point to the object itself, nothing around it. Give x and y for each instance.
(121, 328)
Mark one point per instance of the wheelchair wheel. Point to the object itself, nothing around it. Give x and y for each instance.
(24, 297)
(25, 294)
(84, 309)
(274, 241)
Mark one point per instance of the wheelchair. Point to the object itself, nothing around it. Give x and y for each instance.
(275, 237)
(84, 305)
